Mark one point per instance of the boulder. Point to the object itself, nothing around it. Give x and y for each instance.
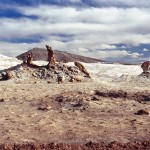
(61, 79)
(146, 66)
(76, 78)
(8, 75)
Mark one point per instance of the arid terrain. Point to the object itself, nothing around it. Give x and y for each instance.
(76, 114)
(110, 110)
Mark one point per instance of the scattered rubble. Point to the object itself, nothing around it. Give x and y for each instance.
(75, 100)
(56, 73)
(140, 145)
(140, 96)
(145, 74)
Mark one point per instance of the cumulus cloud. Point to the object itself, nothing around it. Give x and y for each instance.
(113, 55)
(92, 31)
(92, 21)
(146, 50)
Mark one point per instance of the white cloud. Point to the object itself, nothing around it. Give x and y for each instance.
(146, 50)
(109, 55)
(113, 54)
(136, 55)
(83, 50)
(68, 28)
(118, 54)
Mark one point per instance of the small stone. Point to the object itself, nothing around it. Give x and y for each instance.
(34, 75)
(57, 72)
(88, 99)
(2, 100)
(8, 75)
(95, 98)
(142, 112)
(44, 107)
(61, 79)
(71, 80)
(77, 78)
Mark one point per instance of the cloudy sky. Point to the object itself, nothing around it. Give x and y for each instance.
(115, 30)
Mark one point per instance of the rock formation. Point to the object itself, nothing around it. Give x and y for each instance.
(51, 57)
(29, 59)
(82, 68)
(146, 66)
(29, 62)
(52, 72)
(7, 75)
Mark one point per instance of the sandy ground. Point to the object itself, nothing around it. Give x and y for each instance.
(36, 111)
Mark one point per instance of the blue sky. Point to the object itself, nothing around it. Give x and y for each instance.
(115, 30)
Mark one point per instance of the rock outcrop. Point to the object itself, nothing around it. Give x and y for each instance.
(146, 69)
(82, 68)
(29, 59)
(53, 72)
(146, 66)
(51, 57)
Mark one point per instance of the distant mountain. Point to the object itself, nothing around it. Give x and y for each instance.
(41, 54)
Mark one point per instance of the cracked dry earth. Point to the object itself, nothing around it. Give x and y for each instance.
(91, 115)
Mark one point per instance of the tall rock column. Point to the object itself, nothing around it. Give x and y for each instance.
(29, 59)
(51, 57)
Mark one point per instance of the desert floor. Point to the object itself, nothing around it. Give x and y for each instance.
(37, 111)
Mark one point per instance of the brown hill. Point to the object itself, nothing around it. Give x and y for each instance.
(41, 54)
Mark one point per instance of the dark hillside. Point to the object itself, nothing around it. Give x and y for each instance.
(41, 54)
